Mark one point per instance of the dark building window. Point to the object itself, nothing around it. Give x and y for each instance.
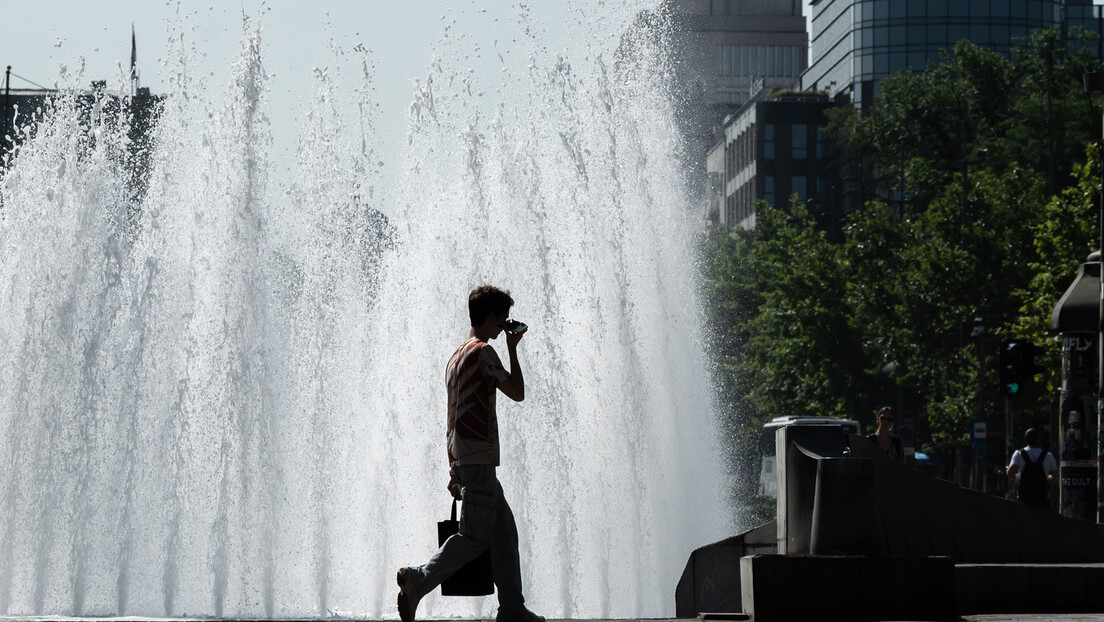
(799, 187)
(799, 142)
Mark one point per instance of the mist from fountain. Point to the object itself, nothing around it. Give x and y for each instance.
(223, 395)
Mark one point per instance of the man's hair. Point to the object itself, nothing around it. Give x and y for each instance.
(1032, 436)
(485, 300)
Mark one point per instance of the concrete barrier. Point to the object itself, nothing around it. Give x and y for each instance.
(784, 588)
(710, 582)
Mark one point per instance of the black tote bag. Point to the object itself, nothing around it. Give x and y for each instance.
(475, 578)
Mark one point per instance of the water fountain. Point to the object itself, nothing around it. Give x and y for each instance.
(223, 397)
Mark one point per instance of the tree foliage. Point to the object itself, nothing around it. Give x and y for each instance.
(958, 159)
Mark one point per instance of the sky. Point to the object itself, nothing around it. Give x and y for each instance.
(43, 36)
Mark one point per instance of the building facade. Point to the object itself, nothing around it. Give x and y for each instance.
(723, 51)
(856, 43)
(139, 110)
(773, 148)
(727, 49)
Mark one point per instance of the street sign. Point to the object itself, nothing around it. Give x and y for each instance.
(979, 433)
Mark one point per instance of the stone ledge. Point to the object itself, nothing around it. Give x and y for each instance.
(1029, 588)
(826, 588)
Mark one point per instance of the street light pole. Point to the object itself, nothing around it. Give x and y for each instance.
(1094, 83)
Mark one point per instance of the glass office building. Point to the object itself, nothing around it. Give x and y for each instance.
(1088, 17)
(856, 43)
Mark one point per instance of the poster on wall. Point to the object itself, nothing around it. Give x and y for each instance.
(1077, 438)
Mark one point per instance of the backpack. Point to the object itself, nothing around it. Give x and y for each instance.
(1034, 488)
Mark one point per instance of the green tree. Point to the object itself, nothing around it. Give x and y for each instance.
(976, 109)
(802, 352)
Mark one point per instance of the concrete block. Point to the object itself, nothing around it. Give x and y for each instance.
(847, 588)
(710, 583)
(907, 588)
(846, 520)
(1029, 588)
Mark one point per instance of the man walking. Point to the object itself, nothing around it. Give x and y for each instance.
(1034, 469)
(473, 377)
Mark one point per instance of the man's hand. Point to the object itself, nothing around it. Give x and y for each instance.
(512, 339)
(514, 388)
(454, 488)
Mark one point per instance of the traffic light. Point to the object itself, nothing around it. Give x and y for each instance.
(1018, 366)
(1010, 354)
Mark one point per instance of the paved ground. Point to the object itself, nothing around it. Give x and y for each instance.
(1035, 617)
(1039, 617)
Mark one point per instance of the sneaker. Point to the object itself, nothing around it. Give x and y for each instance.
(408, 598)
(523, 616)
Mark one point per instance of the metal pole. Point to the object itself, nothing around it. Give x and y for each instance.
(1094, 83)
(1100, 352)
(1011, 490)
(4, 129)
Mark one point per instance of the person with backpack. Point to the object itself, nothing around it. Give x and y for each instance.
(1034, 470)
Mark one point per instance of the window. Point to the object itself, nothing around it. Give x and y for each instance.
(768, 189)
(979, 34)
(1000, 35)
(799, 187)
(820, 143)
(937, 35)
(799, 142)
(937, 8)
(957, 32)
(768, 141)
(881, 64)
(897, 61)
(881, 9)
(917, 34)
(881, 36)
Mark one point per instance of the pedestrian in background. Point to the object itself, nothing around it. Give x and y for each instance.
(1034, 470)
(885, 438)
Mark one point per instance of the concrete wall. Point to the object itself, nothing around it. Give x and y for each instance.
(710, 583)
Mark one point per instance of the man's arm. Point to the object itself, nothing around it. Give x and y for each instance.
(514, 388)
(1013, 473)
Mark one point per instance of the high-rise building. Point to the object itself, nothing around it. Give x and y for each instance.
(723, 51)
(727, 49)
(856, 43)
